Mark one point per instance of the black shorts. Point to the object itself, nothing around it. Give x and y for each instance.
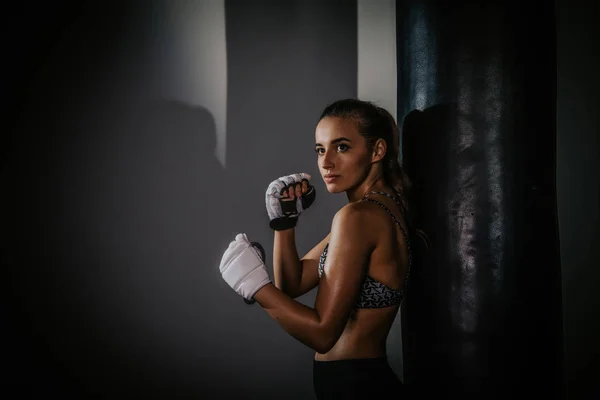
(355, 379)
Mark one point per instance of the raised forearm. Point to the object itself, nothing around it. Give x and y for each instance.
(287, 267)
(298, 320)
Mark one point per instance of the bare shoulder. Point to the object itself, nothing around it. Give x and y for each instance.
(355, 220)
(352, 213)
(358, 212)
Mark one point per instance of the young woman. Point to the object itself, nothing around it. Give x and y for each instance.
(361, 267)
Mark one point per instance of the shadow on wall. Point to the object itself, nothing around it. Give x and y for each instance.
(133, 302)
(170, 230)
(165, 237)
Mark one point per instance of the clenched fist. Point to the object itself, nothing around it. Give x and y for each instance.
(286, 198)
(243, 268)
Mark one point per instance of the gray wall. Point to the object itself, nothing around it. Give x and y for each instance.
(117, 203)
(125, 205)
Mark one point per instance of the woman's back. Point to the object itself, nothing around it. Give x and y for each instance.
(366, 331)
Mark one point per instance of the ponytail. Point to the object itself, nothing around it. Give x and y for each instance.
(397, 178)
(399, 181)
(393, 173)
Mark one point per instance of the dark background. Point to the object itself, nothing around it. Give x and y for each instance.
(115, 210)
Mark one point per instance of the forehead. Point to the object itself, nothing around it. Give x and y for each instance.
(331, 128)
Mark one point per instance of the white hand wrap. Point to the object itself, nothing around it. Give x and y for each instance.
(283, 214)
(242, 268)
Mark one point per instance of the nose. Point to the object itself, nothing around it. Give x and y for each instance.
(327, 161)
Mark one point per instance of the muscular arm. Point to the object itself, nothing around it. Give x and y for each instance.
(320, 327)
(286, 263)
(293, 276)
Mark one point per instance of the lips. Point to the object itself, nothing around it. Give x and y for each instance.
(330, 178)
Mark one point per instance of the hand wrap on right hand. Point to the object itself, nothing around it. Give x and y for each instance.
(243, 268)
(283, 213)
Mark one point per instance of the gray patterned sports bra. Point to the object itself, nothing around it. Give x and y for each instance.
(374, 294)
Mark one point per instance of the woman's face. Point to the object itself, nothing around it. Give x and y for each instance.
(343, 157)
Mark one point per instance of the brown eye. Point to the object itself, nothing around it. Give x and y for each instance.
(342, 147)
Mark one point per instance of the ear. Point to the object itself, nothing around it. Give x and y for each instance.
(379, 150)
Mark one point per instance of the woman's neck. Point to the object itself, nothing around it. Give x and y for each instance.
(375, 184)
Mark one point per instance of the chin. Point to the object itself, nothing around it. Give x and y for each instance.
(334, 188)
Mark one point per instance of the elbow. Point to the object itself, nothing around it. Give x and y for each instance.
(323, 348)
(326, 341)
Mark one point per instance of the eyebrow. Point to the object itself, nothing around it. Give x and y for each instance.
(342, 139)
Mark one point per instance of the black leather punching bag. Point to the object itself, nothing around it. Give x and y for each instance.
(477, 83)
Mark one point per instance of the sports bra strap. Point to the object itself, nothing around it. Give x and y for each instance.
(406, 238)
